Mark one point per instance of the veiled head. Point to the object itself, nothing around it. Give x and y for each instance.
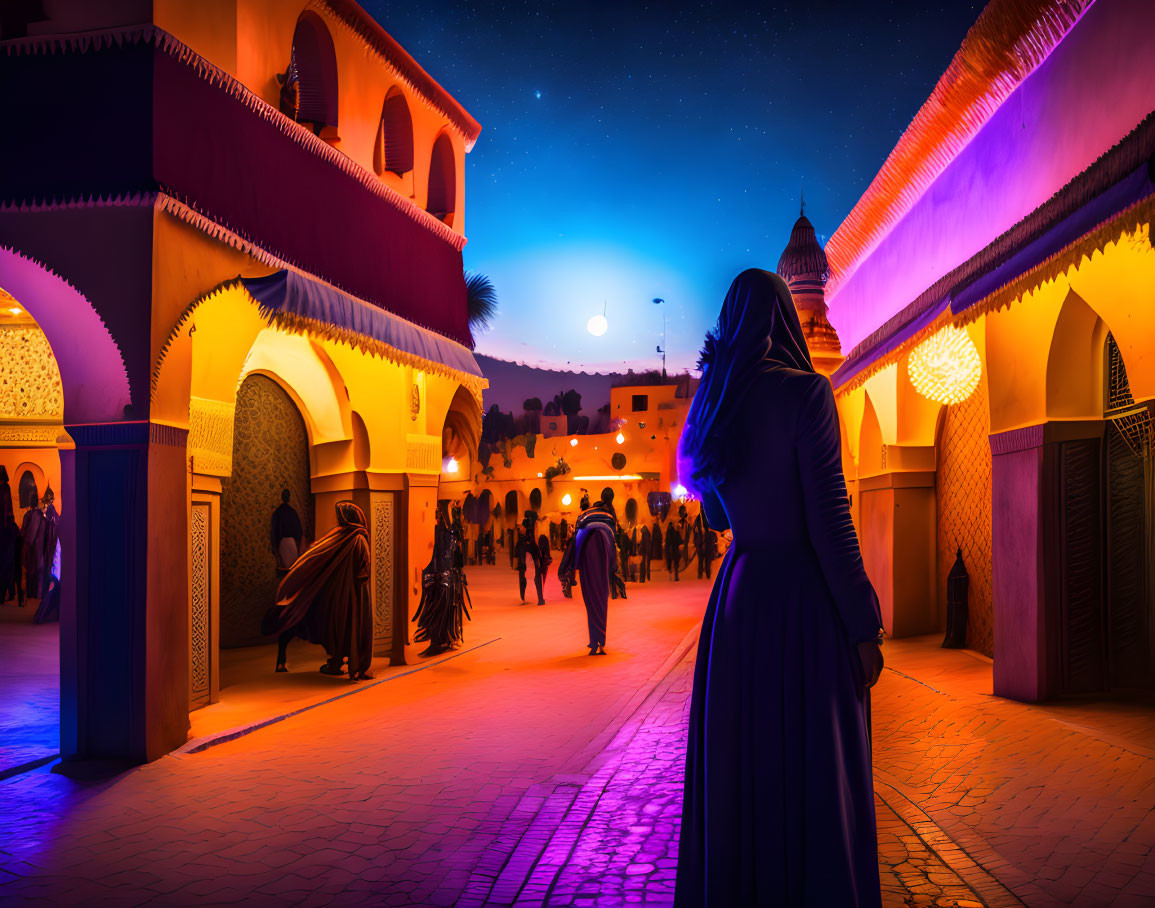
(349, 515)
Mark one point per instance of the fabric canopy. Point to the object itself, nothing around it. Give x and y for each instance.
(288, 293)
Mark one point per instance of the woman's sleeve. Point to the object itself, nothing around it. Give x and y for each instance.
(828, 514)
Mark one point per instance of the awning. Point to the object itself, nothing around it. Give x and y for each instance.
(296, 296)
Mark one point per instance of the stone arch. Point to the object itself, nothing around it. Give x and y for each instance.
(314, 63)
(441, 198)
(461, 430)
(1074, 381)
(92, 368)
(394, 149)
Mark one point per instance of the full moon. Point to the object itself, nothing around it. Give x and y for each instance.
(597, 325)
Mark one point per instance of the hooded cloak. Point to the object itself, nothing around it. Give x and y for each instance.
(325, 595)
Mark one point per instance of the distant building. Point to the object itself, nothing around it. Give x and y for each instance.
(994, 286)
(231, 236)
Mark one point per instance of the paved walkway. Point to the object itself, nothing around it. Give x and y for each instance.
(526, 774)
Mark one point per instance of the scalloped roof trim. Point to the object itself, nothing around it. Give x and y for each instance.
(295, 132)
(221, 233)
(295, 324)
(1010, 39)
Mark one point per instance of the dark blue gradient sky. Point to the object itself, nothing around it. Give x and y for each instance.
(632, 151)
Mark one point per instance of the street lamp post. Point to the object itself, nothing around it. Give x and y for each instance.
(658, 301)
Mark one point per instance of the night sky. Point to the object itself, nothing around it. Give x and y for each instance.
(632, 151)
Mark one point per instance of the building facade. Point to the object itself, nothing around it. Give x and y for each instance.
(994, 288)
(233, 231)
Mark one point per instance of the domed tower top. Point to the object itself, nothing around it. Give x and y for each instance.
(804, 267)
(803, 262)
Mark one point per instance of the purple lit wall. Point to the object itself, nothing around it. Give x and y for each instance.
(1094, 88)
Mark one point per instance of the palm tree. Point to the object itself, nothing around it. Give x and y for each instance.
(480, 302)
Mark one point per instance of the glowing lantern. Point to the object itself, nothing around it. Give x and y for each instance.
(620, 439)
(451, 465)
(680, 491)
(567, 499)
(573, 442)
(946, 366)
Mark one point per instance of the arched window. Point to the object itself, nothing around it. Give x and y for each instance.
(511, 504)
(394, 151)
(29, 494)
(442, 180)
(314, 69)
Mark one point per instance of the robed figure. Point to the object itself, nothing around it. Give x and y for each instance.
(778, 803)
(324, 598)
(33, 530)
(591, 554)
(285, 534)
(644, 549)
(528, 551)
(10, 561)
(445, 604)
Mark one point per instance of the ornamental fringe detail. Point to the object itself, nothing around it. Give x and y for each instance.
(210, 436)
(30, 386)
(946, 366)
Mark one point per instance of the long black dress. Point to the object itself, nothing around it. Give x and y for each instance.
(778, 805)
(444, 605)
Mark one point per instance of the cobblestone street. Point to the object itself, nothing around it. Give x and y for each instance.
(523, 773)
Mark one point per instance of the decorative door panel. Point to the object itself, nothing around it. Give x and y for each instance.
(200, 605)
(1081, 611)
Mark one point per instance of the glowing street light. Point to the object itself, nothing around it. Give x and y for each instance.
(620, 439)
(567, 499)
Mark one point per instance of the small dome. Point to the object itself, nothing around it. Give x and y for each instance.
(803, 256)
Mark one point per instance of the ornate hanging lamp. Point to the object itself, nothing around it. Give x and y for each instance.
(946, 366)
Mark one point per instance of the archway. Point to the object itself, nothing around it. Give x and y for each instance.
(394, 149)
(314, 65)
(442, 197)
(270, 453)
(31, 501)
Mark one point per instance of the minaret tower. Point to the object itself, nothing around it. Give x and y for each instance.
(804, 267)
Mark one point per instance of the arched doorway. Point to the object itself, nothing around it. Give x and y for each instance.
(270, 453)
(31, 416)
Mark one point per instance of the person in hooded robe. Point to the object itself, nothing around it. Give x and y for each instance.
(778, 803)
(645, 548)
(673, 550)
(10, 566)
(699, 531)
(529, 550)
(657, 550)
(32, 532)
(590, 554)
(285, 534)
(445, 604)
(324, 598)
(49, 608)
(51, 539)
(563, 535)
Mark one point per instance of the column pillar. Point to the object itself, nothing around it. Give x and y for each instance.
(204, 594)
(123, 694)
(897, 518)
(1046, 559)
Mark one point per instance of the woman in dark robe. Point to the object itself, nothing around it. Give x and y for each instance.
(444, 605)
(591, 554)
(778, 803)
(9, 534)
(657, 551)
(325, 598)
